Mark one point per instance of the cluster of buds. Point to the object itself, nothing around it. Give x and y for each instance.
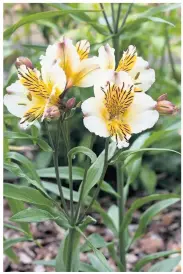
(165, 107)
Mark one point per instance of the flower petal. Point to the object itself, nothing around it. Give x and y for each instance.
(96, 125)
(86, 73)
(121, 143)
(91, 106)
(106, 57)
(141, 114)
(17, 102)
(83, 49)
(128, 59)
(69, 59)
(142, 74)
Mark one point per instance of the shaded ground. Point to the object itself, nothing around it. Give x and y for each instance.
(164, 233)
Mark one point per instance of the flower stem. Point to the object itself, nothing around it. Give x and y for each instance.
(125, 17)
(100, 181)
(55, 160)
(70, 251)
(105, 17)
(121, 208)
(79, 205)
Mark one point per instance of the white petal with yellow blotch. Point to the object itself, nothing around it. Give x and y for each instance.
(141, 114)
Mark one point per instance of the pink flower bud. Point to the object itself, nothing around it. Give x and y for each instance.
(164, 106)
(70, 103)
(23, 61)
(52, 112)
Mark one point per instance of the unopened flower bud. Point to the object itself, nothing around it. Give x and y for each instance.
(164, 106)
(23, 61)
(71, 103)
(52, 112)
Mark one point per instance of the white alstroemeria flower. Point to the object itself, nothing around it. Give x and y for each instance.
(118, 111)
(80, 70)
(143, 76)
(34, 92)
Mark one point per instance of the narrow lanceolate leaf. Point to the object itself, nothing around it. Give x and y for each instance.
(15, 169)
(16, 206)
(21, 135)
(26, 194)
(38, 16)
(98, 254)
(85, 150)
(95, 171)
(8, 243)
(25, 163)
(77, 172)
(45, 262)
(140, 202)
(32, 215)
(84, 267)
(158, 20)
(150, 213)
(11, 255)
(96, 240)
(13, 227)
(145, 260)
(166, 265)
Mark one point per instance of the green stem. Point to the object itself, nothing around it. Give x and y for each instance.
(105, 17)
(113, 17)
(100, 181)
(118, 17)
(121, 207)
(70, 251)
(71, 189)
(55, 160)
(125, 17)
(79, 205)
(170, 55)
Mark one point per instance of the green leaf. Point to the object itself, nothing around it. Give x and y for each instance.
(34, 132)
(20, 135)
(109, 189)
(96, 262)
(161, 8)
(26, 194)
(10, 242)
(45, 263)
(15, 169)
(63, 253)
(96, 240)
(84, 267)
(77, 172)
(25, 163)
(11, 255)
(140, 202)
(166, 265)
(32, 215)
(148, 178)
(159, 20)
(113, 213)
(85, 150)
(145, 260)
(14, 227)
(152, 211)
(98, 254)
(95, 171)
(106, 218)
(16, 206)
(38, 16)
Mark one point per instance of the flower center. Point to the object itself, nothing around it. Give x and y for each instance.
(117, 101)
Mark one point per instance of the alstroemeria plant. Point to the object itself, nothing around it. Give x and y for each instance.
(118, 109)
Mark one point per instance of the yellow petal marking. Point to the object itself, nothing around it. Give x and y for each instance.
(128, 60)
(116, 103)
(40, 94)
(83, 49)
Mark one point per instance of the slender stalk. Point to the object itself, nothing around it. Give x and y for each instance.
(70, 251)
(105, 17)
(118, 17)
(71, 189)
(100, 181)
(113, 16)
(121, 207)
(55, 160)
(125, 17)
(170, 55)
